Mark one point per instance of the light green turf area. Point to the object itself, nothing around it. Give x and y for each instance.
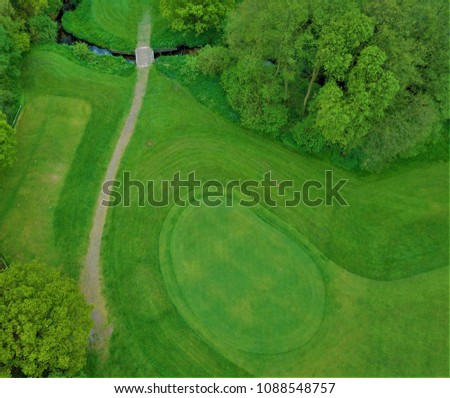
(271, 295)
(65, 137)
(114, 24)
(383, 261)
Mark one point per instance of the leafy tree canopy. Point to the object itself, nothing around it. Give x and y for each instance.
(353, 75)
(30, 7)
(196, 15)
(44, 323)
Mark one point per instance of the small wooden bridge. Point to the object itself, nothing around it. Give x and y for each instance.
(145, 56)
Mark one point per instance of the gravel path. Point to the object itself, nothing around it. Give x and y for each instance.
(91, 281)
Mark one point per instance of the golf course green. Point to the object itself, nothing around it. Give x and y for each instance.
(251, 297)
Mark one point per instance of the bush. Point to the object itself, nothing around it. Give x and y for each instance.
(42, 29)
(308, 139)
(81, 51)
(351, 160)
(257, 95)
(54, 6)
(189, 68)
(105, 63)
(7, 143)
(212, 61)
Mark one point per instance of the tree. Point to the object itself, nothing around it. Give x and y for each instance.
(368, 77)
(414, 36)
(262, 76)
(30, 7)
(44, 323)
(196, 15)
(346, 114)
(54, 6)
(403, 132)
(14, 40)
(257, 95)
(7, 143)
(81, 50)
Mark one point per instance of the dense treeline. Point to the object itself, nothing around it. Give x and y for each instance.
(365, 80)
(22, 23)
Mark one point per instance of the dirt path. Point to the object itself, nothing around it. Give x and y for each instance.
(91, 281)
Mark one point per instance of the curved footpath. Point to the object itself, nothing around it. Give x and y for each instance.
(91, 283)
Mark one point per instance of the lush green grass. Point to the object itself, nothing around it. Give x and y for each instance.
(109, 24)
(65, 136)
(44, 159)
(264, 298)
(383, 260)
(421, 211)
(114, 24)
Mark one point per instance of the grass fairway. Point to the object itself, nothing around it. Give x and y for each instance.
(386, 286)
(65, 137)
(113, 25)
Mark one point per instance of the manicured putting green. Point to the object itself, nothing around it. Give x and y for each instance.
(239, 280)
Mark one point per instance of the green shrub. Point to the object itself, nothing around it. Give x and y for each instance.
(42, 29)
(45, 323)
(7, 143)
(105, 63)
(81, 51)
(54, 6)
(213, 61)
